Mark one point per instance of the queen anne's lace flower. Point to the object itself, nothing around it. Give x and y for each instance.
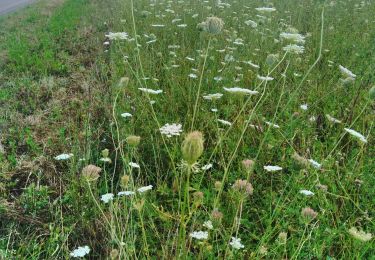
(125, 115)
(360, 234)
(346, 72)
(236, 243)
(134, 165)
(271, 168)
(64, 156)
(171, 129)
(125, 193)
(265, 78)
(213, 96)
(107, 197)
(356, 134)
(145, 188)
(200, 235)
(224, 122)
(265, 9)
(294, 48)
(208, 224)
(151, 91)
(241, 91)
(117, 36)
(80, 251)
(306, 192)
(295, 37)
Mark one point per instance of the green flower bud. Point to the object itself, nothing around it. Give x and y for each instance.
(133, 140)
(192, 147)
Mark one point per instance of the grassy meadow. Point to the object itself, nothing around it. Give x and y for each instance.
(188, 130)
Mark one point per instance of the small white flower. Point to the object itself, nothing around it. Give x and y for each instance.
(251, 23)
(271, 168)
(294, 48)
(265, 78)
(171, 129)
(125, 193)
(214, 110)
(208, 224)
(134, 165)
(360, 234)
(224, 122)
(241, 91)
(200, 235)
(306, 192)
(117, 36)
(356, 134)
(182, 25)
(80, 251)
(207, 167)
(265, 9)
(213, 96)
(346, 72)
(64, 156)
(193, 76)
(295, 37)
(145, 188)
(272, 124)
(236, 243)
(304, 107)
(315, 164)
(151, 91)
(106, 159)
(107, 197)
(125, 115)
(332, 119)
(158, 25)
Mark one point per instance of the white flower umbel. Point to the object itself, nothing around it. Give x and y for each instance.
(265, 78)
(80, 251)
(294, 48)
(224, 122)
(356, 134)
(151, 91)
(272, 124)
(265, 9)
(207, 167)
(295, 37)
(171, 129)
(315, 164)
(200, 235)
(125, 115)
(244, 91)
(306, 192)
(145, 188)
(64, 156)
(304, 107)
(236, 243)
(107, 197)
(360, 234)
(134, 165)
(213, 96)
(208, 224)
(117, 36)
(125, 193)
(346, 72)
(272, 168)
(251, 23)
(333, 120)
